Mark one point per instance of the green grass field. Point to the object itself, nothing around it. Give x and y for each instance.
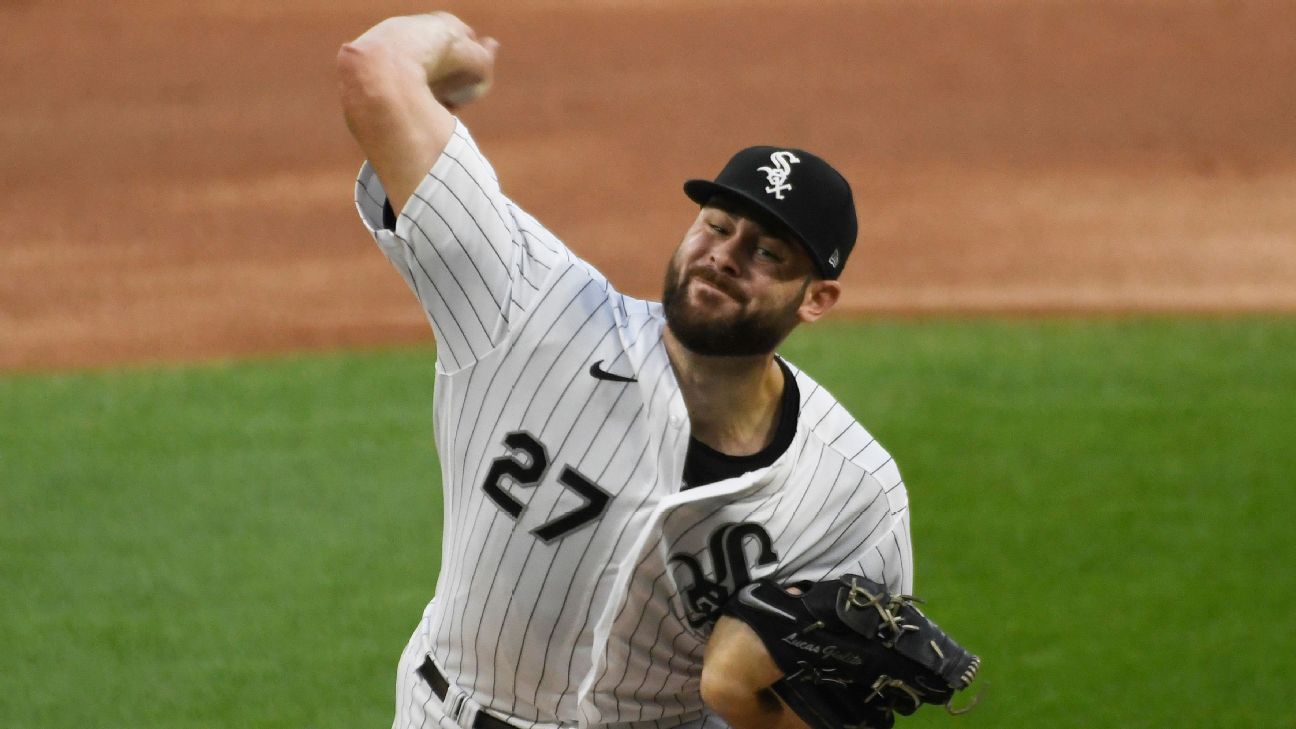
(1102, 509)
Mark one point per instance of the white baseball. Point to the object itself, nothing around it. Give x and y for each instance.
(466, 94)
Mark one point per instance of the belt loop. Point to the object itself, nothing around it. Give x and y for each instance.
(452, 702)
(457, 704)
(467, 713)
(461, 709)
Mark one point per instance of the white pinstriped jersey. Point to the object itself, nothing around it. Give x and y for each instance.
(578, 581)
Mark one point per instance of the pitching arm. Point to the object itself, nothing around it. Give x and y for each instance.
(399, 82)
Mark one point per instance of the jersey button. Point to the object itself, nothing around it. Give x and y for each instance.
(675, 421)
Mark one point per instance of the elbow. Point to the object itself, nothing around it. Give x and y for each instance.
(363, 72)
(739, 703)
(350, 57)
(721, 693)
(356, 57)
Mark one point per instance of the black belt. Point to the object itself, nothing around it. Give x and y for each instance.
(440, 686)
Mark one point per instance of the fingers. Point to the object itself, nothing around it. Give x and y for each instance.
(476, 55)
(452, 21)
(466, 68)
(465, 37)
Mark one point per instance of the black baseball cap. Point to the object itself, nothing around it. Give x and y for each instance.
(797, 189)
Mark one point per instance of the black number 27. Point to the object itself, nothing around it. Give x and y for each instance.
(526, 465)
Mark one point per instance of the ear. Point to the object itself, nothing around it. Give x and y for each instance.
(819, 297)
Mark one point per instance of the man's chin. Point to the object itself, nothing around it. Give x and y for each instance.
(715, 319)
(717, 336)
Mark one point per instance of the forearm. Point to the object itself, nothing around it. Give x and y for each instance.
(736, 675)
(743, 708)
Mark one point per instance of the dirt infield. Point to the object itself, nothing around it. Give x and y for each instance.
(177, 178)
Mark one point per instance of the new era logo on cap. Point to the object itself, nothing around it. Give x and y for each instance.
(799, 191)
(778, 174)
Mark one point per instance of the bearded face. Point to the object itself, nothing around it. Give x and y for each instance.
(751, 330)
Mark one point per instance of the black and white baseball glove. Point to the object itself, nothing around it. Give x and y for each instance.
(852, 654)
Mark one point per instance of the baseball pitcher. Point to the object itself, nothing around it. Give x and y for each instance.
(620, 476)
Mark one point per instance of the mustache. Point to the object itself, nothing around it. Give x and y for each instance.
(717, 280)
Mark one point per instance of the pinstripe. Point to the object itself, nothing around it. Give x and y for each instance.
(661, 378)
(483, 463)
(882, 559)
(498, 298)
(697, 525)
(425, 713)
(702, 525)
(482, 191)
(570, 584)
(899, 552)
(453, 278)
(845, 531)
(467, 211)
(532, 541)
(804, 498)
(474, 431)
(600, 477)
(548, 570)
(442, 339)
(863, 448)
(548, 643)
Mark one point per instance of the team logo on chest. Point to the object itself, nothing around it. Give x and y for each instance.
(777, 175)
(726, 546)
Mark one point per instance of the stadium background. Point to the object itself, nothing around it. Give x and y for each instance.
(195, 533)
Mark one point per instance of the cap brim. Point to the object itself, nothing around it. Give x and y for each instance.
(701, 192)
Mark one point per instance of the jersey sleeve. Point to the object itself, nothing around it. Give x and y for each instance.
(472, 258)
(873, 507)
(888, 558)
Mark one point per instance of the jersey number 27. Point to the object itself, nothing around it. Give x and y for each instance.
(526, 465)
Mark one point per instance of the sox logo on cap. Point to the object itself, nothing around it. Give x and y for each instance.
(778, 174)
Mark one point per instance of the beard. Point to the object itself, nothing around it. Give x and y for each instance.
(745, 334)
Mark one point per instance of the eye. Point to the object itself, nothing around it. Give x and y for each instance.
(717, 229)
(768, 254)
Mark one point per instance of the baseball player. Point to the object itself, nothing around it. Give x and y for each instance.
(614, 470)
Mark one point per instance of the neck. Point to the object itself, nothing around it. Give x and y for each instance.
(733, 402)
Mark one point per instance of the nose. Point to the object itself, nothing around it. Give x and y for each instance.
(724, 254)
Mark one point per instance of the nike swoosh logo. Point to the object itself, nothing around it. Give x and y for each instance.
(603, 374)
(747, 597)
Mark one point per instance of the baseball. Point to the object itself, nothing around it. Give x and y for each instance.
(465, 94)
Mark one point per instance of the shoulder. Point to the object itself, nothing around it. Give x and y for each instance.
(824, 419)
